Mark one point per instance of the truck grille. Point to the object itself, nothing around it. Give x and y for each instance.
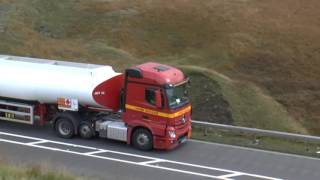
(179, 124)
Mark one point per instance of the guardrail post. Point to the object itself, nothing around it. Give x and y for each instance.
(206, 131)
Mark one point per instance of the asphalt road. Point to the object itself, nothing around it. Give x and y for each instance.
(104, 159)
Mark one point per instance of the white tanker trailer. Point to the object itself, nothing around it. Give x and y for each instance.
(46, 81)
(89, 100)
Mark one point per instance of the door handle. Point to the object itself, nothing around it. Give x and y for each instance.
(145, 117)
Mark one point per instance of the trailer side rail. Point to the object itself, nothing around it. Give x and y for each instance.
(16, 112)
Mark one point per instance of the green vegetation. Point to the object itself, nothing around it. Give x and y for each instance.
(257, 62)
(238, 103)
(34, 173)
(264, 143)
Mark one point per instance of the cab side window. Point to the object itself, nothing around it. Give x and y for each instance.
(150, 96)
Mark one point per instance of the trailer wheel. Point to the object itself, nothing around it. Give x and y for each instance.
(86, 131)
(142, 139)
(64, 128)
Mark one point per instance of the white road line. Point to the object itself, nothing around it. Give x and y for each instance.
(231, 175)
(96, 152)
(224, 170)
(26, 144)
(88, 154)
(184, 171)
(133, 155)
(113, 159)
(48, 141)
(152, 162)
(74, 145)
(37, 142)
(21, 136)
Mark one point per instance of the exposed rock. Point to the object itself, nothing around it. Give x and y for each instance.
(208, 101)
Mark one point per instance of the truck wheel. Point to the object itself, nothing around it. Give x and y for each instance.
(86, 131)
(64, 128)
(142, 139)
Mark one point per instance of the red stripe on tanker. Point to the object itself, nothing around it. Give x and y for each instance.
(107, 93)
(46, 81)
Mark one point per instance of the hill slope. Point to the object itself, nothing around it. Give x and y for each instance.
(272, 47)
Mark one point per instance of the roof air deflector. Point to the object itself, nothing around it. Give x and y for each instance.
(134, 73)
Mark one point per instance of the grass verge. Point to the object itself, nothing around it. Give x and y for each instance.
(9, 172)
(257, 142)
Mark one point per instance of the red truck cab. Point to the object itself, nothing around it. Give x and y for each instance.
(157, 109)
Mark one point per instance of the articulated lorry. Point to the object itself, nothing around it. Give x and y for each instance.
(146, 106)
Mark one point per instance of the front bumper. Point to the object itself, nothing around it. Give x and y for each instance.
(167, 143)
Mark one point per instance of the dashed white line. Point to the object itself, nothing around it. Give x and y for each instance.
(37, 142)
(96, 151)
(114, 159)
(152, 162)
(231, 175)
(223, 170)
(184, 171)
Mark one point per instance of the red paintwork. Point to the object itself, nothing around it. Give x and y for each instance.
(153, 76)
(136, 97)
(42, 110)
(107, 94)
(168, 143)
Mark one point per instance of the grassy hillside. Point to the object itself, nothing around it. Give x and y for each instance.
(227, 101)
(257, 61)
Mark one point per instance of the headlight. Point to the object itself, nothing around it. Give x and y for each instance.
(172, 134)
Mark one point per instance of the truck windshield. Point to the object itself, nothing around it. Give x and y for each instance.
(177, 96)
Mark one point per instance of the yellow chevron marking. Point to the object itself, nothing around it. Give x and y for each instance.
(158, 113)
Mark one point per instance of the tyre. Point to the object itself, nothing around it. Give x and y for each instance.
(64, 128)
(142, 139)
(85, 130)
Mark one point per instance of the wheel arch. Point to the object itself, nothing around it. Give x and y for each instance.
(141, 133)
(134, 128)
(74, 117)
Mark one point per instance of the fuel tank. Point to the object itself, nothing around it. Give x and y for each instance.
(46, 81)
